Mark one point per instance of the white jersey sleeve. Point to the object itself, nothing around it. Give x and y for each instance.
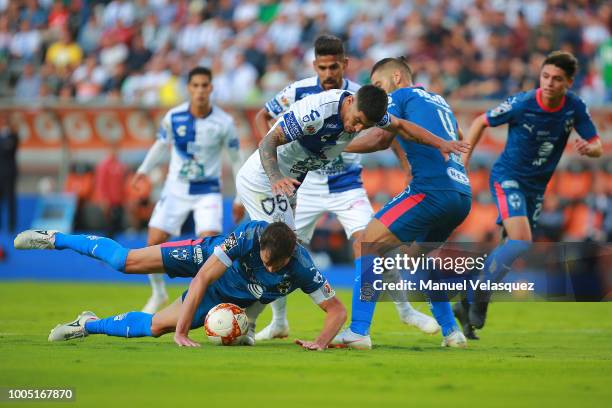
(282, 101)
(302, 119)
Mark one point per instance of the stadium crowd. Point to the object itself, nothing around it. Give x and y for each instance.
(138, 51)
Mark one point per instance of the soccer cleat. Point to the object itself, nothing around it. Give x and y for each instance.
(421, 321)
(249, 338)
(461, 310)
(348, 339)
(35, 239)
(155, 303)
(455, 339)
(478, 308)
(72, 330)
(273, 331)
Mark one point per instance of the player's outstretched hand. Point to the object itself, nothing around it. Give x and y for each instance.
(285, 186)
(309, 345)
(454, 146)
(137, 180)
(184, 341)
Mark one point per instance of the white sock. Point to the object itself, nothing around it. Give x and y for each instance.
(279, 310)
(403, 308)
(158, 285)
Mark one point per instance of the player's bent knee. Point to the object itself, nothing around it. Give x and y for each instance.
(158, 329)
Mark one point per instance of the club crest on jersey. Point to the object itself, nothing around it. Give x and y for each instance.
(515, 201)
(318, 278)
(255, 289)
(180, 254)
(284, 287)
(230, 242)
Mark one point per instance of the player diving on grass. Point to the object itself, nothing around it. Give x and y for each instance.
(540, 122)
(196, 132)
(254, 265)
(337, 186)
(436, 202)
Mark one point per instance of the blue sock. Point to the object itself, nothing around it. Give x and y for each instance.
(500, 261)
(362, 311)
(131, 324)
(441, 307)
(104, 249)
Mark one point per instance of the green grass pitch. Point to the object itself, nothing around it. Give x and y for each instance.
(550, 354)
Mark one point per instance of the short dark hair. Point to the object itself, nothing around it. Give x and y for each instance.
(327, 44)
(564, 60)
(199, 71)
(395, 63)
(279, 239)
(372, 101)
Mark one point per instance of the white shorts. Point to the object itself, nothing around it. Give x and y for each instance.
(352, 208)
(172, 210)
(255, 192)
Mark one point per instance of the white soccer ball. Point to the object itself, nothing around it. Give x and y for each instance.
(225, 324)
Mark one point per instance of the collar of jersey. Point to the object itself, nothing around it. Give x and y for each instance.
(544, 107)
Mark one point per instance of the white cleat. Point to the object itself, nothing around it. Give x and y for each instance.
(155, 303)
(421, 321)
(72, 330)
(35, 239)
(455, 339)
(249, 338)
(273, 331)
(348, 339)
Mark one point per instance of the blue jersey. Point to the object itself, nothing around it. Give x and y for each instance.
(246, 279)
(537, 136)
(430, 111)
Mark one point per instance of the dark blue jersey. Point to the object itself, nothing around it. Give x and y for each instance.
(430, 111)
(537, 135)
(246, 278)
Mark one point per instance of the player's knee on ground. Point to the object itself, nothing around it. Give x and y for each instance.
(159, 327)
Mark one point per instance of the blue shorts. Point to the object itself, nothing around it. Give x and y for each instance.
(184, 259)
(425, 216)
(514, 201)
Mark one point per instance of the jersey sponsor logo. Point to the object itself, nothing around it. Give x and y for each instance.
(180, 254)
(312, 116)
(457, 176)
(275, 107)
(503, 107)
(255, 289)
(515, 201)
(544, 151)
(509, 184)
(528, 127)
(198, 258)
(292, 127)
(230, 243)
(181, 118)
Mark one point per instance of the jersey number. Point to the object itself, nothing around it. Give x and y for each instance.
(447, 123)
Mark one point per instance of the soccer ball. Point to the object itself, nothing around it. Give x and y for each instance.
(225, 324)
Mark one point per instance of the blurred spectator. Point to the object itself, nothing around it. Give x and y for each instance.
(139, 55)
(28, 85)
(25, 42)
(88, 79)
(118, 11)
(110, 175)
(90, 34)
(64, 53)
(9, 142)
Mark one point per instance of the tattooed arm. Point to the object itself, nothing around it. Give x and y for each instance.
(268, 155)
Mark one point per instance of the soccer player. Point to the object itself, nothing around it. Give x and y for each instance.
(437, 200)
(336, 187)
(197, 132)
(540, 122)
(252, 266)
